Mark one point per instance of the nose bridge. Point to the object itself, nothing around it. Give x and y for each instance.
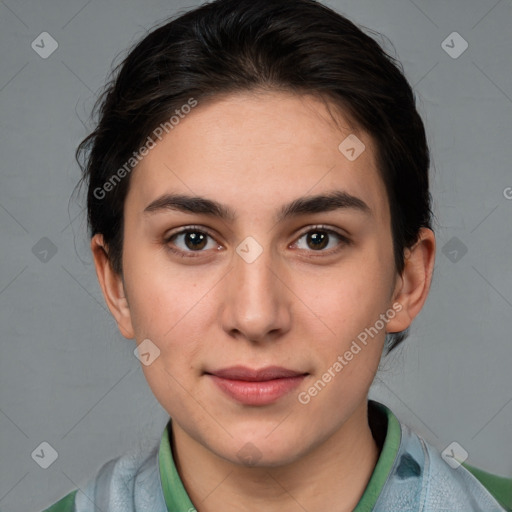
(256, 303)
(254, 273)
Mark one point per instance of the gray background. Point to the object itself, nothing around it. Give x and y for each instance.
(68, 378)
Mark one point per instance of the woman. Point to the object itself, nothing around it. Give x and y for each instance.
(261, 223)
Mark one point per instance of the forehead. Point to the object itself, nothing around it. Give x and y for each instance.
(252, 150)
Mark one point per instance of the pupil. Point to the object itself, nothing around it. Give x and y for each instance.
(318, 238)
(196, 240)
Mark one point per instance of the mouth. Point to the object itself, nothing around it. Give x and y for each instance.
(256, 387)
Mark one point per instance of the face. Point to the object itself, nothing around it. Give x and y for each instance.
(299, 266)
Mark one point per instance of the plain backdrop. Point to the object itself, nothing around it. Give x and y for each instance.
(69, 379)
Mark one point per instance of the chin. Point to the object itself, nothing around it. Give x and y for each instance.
(263, 450)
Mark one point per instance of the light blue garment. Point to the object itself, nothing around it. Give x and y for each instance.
(130, 483)
(419, 481)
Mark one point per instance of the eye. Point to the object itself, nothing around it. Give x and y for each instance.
(320, 238)
(190, 240)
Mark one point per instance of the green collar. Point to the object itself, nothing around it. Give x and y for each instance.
(175, 495)
(383, 423)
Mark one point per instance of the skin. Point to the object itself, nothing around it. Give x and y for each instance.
(295, 306)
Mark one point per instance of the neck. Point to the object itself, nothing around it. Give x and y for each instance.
(332, 476)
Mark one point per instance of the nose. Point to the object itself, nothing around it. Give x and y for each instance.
(258, 302)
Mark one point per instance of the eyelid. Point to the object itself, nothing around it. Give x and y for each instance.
(189, 228)
(183, 230)
(311, 228)
(344, 239)
(193, 227)
(323, 227)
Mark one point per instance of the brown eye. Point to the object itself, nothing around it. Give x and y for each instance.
(195, 240)
(190, 241)
(319, 239)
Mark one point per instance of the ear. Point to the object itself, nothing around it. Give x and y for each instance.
(413, 285)
(112, 286)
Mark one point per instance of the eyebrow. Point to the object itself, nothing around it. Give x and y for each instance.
(335, 200)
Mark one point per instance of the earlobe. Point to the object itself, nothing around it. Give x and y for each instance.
(112, 286)
(414, 283)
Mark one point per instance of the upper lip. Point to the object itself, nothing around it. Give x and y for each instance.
(252, 375)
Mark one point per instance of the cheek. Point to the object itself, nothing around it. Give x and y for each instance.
(349, 304)
(173, 320)
(160, 295)
(174, 308)
(352, 296)
(172, 313)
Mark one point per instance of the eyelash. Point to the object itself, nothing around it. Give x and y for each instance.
(198, 229)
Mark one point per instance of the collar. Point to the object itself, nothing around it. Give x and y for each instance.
(385, 428)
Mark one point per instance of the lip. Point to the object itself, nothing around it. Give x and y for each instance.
(256, 387)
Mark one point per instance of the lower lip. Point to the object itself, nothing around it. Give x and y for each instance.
(257, 393)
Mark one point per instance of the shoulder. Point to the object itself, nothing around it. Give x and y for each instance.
(499, 486)
(130, 483)
(455, 485)
(421, 479)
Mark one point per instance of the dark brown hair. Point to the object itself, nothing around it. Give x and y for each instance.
(225, 46)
